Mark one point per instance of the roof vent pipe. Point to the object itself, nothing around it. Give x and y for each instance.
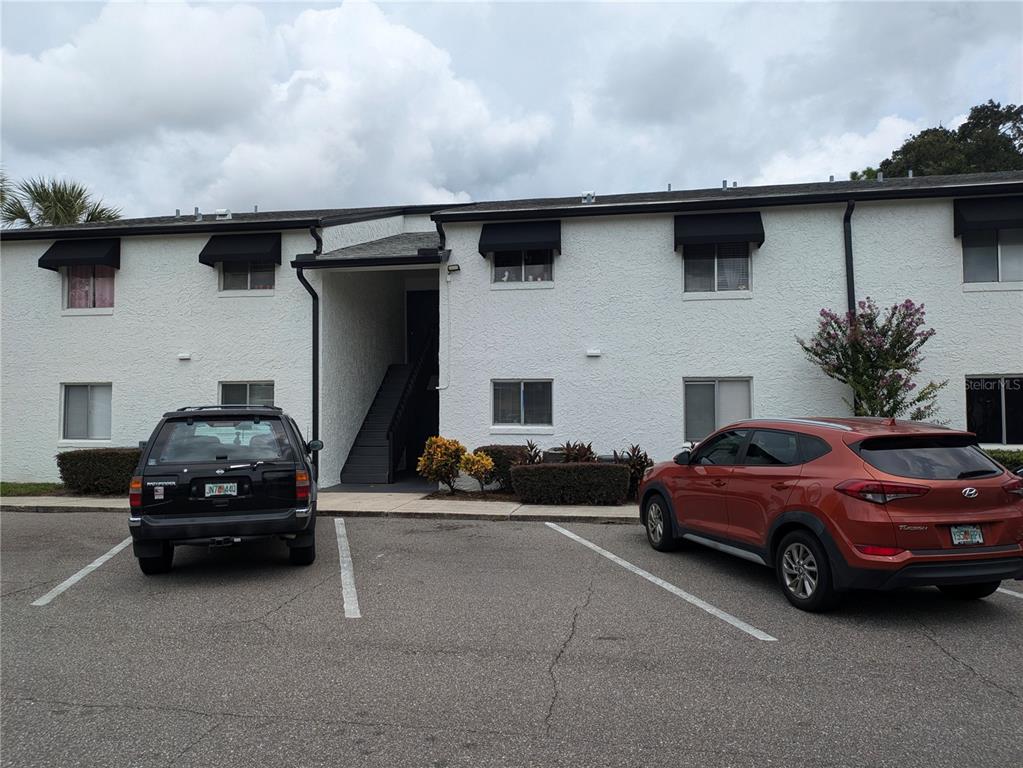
(911, 173)
(880, 175)
(735, 184)
(669, 186)
(255, 209)
(831, 177)
(724, 183)
(177, 213)
(198, 216)
(589, 197)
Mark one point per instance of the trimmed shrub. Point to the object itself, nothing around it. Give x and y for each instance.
(1011, 460)
(636, 459)
(440, 461)
(571, 483)
(478, 466)
(98, 470)
(505, 457)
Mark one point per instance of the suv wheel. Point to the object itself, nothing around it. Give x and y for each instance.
(970, 591)
(159, 564)
(658, 524)
(804, 572)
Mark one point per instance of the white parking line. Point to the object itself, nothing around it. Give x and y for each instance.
(81, 574)
(691, 599)
(348, 593)
(1010, 592)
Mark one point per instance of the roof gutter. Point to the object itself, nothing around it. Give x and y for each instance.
(201, 228)
(850, 285)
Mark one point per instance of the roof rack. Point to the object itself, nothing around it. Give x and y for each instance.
(808, 422)
(229, 408)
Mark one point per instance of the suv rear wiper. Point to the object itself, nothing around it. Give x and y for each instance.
(975, 473)
(247, 465)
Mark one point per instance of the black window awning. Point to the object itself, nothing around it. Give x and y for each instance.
(705, 228)
(520, 236)
(259, 249)
(988, 213)
(75, 253)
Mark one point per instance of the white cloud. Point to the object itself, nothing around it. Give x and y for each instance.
(842, 153)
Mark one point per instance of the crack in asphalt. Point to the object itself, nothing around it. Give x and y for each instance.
(194, 743)
(992, 683)
(556, 689)
(403, 724)
(276, 609)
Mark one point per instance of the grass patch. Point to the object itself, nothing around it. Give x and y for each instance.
(32, 489)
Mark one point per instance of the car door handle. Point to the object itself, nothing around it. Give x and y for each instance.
(781, 485)
(718, 483)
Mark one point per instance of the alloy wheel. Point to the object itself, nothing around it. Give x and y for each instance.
(655, 522)
(799, 569)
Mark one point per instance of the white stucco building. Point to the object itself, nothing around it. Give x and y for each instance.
(646, 318)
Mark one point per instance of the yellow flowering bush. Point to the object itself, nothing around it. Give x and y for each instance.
(440, 460)
(478, 466)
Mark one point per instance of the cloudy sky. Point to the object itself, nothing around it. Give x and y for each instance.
(295, 104)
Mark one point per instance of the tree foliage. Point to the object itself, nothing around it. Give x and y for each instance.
(991, 139)
(877, 354)
(41, 202)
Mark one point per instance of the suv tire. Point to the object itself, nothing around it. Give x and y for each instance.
(304, 555)
(159, 564)
(970, 591)
(657, 523)
(804, 572)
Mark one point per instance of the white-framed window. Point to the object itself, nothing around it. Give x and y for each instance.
(523, 402)
(247, 276)
(86, 411)
(994, 408)
(530, 266)
(89, 286)
(710, 268)
(246, 393)
(993, 256)
(710, 404)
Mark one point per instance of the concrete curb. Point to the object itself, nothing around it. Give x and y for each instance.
(526, 517)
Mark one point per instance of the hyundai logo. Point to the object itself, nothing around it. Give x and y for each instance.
(970, 493)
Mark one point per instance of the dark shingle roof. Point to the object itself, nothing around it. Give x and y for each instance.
(395, 246)
(738, 197)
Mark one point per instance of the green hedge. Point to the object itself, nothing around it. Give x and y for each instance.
(98, 470)
(505, 457)
(1011, 460)
(571, 483)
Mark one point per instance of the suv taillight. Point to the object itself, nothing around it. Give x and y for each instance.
(880, 493)
(301, 485)
(1014, 487)
(135, 492)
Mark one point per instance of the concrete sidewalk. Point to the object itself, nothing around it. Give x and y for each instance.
(368, 505)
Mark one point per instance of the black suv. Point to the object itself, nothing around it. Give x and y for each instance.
(219, 475)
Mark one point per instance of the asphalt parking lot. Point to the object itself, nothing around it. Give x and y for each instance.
(477, 643)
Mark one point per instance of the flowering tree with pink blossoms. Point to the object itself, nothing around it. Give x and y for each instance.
(877, 354)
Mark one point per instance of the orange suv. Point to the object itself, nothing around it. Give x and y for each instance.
(842, 504)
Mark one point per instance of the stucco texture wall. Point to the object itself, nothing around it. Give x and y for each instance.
(166, 303)
(618, 288)
(907, 250)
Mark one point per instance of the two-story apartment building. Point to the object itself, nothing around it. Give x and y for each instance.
(643, 318)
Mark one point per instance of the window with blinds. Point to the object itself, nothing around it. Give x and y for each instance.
(713, 267)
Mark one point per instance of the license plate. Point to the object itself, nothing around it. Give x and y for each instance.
(221, 489)
(967, 534)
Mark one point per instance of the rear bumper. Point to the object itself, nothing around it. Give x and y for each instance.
(150, 532)
(931, 574)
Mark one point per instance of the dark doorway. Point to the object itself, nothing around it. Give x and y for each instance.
(422, 331)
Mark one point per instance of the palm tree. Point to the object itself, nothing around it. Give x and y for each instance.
(50, 202)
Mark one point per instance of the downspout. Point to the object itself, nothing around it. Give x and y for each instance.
(446, 371)
(316, 344)
(850, 284)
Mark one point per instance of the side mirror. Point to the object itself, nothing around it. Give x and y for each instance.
(683, 457)
(314, 445)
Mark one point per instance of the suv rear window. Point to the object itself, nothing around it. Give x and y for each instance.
(927, 458)
(220, 438)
